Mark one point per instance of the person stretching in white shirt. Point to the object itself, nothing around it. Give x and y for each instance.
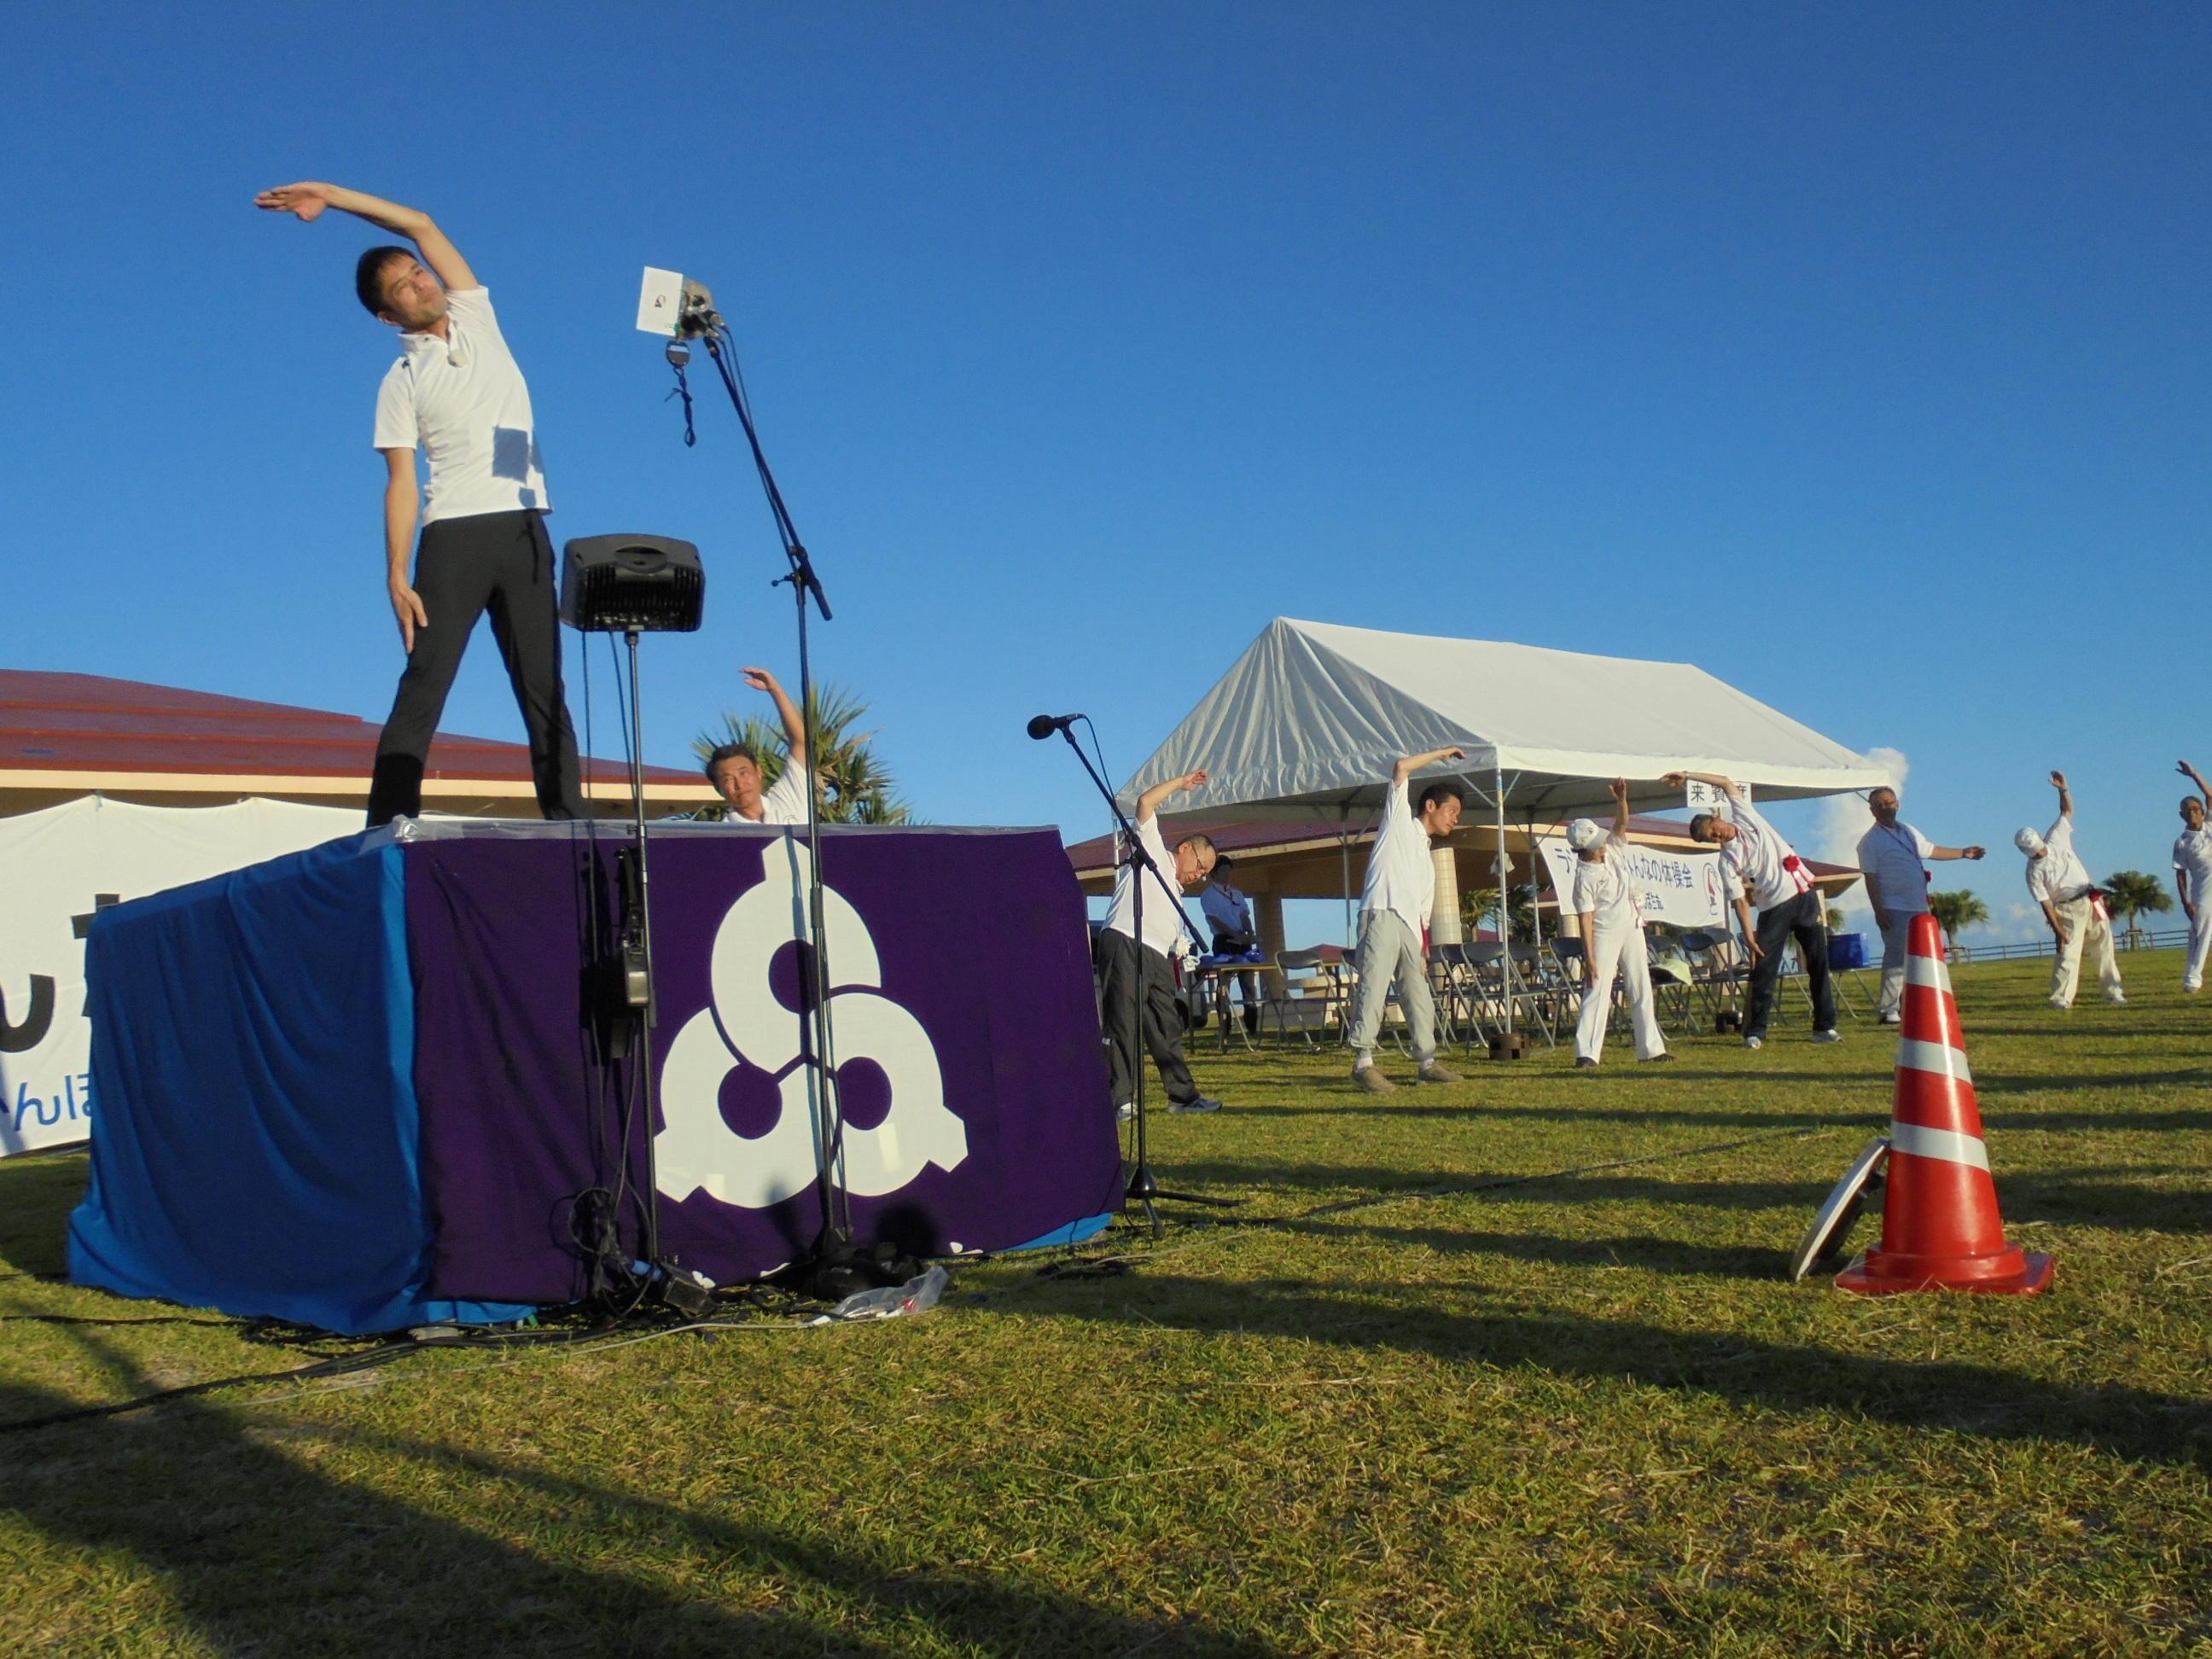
(1610, 908)
(1890, 857)
(735, 770)
(1394, 916)
(2192, 876)
(1756, 859)
(455, 393)
(2059, 882)
(1136, 985)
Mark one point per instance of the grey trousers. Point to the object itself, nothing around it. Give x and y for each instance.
(1896, 943)
(1390, 952)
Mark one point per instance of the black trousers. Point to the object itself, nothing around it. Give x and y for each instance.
(501, 563)
(1119, 963)
(1804, 920)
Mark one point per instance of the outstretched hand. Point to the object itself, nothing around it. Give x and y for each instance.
(1190, 779)
(1674, 780)
(759, 679)
(2057, 779)
(1620, 790)
(306, 199)
(2188, 771)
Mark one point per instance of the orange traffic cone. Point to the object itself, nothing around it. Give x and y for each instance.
(1939, 1227)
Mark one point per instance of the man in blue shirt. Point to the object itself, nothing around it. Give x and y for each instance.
(1229, 916)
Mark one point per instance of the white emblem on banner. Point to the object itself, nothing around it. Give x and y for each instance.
(746, 1025)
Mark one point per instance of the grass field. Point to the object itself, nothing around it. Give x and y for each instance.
(1507, 1367)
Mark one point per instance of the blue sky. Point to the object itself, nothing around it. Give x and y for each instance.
(1858, 355)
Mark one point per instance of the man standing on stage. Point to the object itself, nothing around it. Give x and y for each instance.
(1761, 868)
(1130, 973)
(2059, 882)
(455, 393)
(1890, 857)
(2192, 875)
(735, 770)
(1393, 922)
(1610, 909)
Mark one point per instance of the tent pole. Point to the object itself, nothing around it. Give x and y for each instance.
(1505, 897)
(1344, 846)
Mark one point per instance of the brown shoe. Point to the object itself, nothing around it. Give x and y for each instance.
(1664, 1058)
(1433, 1073)
(1372, 1080)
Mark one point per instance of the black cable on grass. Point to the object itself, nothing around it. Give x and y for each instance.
(427, 1338)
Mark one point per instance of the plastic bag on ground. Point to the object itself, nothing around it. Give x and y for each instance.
(918, 1295)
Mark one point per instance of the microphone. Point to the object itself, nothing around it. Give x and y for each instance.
(1044, 726)
(698, 315)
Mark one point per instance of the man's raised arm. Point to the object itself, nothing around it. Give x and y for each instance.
(1148, 804)
(794, 729)
(2197, 778)
(1726, 786)
(309, 199)
(2065, 798)
(1413, 763)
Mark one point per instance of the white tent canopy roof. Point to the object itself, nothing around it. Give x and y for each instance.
(1313, 717)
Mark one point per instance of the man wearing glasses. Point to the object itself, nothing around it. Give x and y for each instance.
(1126, 965)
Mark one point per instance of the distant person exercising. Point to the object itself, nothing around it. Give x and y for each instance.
(735, 770)
(1394, 917)
(1890, 857)
(455, 393)
(2059, 882)
(2192, 876)
(1152, 1016)
(1756, 861)
(1609, 907)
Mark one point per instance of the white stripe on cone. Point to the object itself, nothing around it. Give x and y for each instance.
(1945, 1144)
(1927, 972)
(1940, 1059)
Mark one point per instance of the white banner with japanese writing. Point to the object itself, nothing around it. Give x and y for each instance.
(56, 869)
(1683, 889)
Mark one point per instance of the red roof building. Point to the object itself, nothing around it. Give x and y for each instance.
(65, 736)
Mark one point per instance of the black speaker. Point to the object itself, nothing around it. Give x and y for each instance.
(612, 584)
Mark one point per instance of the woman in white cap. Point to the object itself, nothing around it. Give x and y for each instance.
(2059, 882)
(1610, 909)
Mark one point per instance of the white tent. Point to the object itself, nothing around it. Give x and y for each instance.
(60, 866)
(1313, 716)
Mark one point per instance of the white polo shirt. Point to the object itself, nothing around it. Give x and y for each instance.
(1603, 888)
(2058, 875)
(1892, 855)
(1759, 862)
(1401, 877)
(2192, 856)
(1165, 921)
(462, 402)
(783, 801)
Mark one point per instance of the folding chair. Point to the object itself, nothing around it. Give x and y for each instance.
(1310, 995)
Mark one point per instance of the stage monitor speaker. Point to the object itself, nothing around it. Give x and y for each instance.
(612, 584)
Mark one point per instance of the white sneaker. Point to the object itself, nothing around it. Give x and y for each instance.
(1126, 1112)
(2117, 1000)
(1754, 1043)
(1831, 1036)
(2061, 1006)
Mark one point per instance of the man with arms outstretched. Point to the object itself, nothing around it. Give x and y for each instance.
(2059, 882)
(1762, 869)
(1156, 1019)
(455, 393)
(1393, 922)
(1890, 857)
(735, 770)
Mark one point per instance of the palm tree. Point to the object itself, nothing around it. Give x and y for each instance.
(856, 786)
(2130, 893)
(1478, 906)
(1954, 911)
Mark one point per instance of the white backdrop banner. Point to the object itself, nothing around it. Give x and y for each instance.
(1682, 889)
(57, 868)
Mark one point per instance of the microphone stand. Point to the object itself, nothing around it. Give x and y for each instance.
(1142, 1189)
(831, 1268)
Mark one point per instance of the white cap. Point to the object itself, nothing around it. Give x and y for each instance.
(1584, 834)
(2028, 842)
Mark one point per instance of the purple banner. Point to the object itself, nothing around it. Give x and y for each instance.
(967, 1037)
